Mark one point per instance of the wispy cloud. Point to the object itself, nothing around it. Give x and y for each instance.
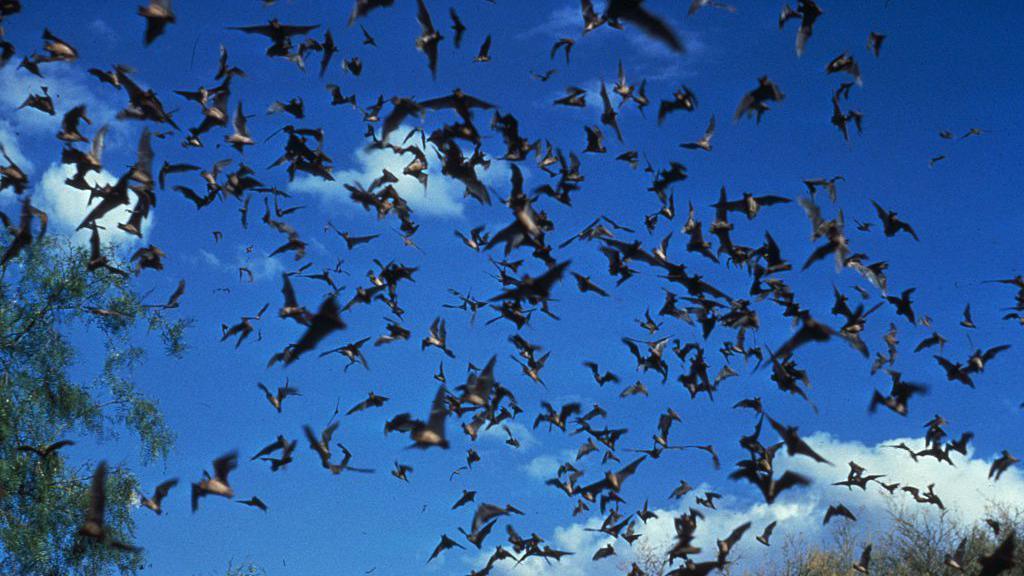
(542, 467)
(104, 30)
(209, 257)
(546, 466)
(563, 21)
(262, 267)
(521, 433)
(659, 63)
(653, 48)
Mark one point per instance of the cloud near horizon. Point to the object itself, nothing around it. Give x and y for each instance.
(965, 490)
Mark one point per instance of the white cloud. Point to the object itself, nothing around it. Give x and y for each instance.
(262, 267)
(439, 198)
(542, 467)
(567, 21)
(103, 30)
(654, 48)
(67, 206)
(10, 144)
(658, 62)
(68, 86)
(209, 257)
(964, 489)
(442, 197)
(594, 101)
(545, 466)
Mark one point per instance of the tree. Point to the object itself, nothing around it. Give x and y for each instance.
(67, 356)
(914, 543)
(247, 568)
(652, 560)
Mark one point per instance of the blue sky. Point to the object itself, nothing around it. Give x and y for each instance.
(941, 68)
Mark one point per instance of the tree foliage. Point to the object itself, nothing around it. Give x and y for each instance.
(68, 352)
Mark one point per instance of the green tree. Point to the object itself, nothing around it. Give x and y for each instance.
(67, 356)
